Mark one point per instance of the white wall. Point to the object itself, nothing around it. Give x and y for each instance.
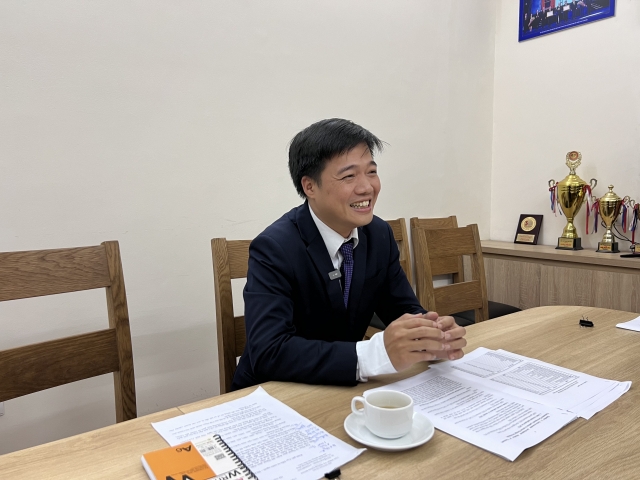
(576, 89)
(163, 124)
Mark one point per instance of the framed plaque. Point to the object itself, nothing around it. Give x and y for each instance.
(528, 229)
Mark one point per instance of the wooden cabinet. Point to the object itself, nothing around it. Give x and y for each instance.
(529, 276)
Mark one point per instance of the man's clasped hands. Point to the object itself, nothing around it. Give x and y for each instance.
(414, 338)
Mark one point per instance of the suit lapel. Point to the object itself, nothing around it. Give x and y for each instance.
(317, 250)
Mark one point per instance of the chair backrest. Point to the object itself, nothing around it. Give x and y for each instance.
(230, 260)
(438, 250)
(36, 367)
(399, 228)
(451, 266)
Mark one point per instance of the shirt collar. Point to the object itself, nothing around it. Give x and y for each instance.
(332, 239)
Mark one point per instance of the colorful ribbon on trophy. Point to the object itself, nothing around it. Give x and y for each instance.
(624, 217)
(586, 190)
(553, 196)
(634, 222)
(595, 207)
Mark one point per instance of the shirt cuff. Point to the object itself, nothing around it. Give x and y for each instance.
(372, 358)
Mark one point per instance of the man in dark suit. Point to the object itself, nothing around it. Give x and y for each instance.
(318, 274)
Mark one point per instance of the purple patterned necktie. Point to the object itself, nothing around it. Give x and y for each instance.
(346, 249)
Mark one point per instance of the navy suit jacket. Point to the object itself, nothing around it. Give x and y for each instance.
(298, 328)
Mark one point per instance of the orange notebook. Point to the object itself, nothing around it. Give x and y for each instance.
(202, 459)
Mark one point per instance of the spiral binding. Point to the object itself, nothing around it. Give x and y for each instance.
(235, 458)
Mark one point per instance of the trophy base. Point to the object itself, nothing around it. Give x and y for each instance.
(608, 247)
(569, 244)
(635, 252)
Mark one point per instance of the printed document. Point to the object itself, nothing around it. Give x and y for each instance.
(540, 382)
(631, 325)
(489, 419)
(504, 402)
(273, 440)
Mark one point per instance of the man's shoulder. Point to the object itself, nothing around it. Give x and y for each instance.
(377, 222)
(379, 235)
(280, 243)
(284, 229)
(377, 227)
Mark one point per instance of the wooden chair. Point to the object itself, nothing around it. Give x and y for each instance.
(36, 367)
(454, 267)
(399, 228)
(439, 251)
(230, 260)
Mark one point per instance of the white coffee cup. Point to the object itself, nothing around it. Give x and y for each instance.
(387, 413)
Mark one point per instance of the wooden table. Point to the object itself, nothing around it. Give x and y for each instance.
(603, 447)
(110, 452)
(529, 276)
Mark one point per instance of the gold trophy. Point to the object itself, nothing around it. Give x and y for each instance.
(610, 204)
(571, 196)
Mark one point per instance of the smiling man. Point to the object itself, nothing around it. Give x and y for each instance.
(318, 274)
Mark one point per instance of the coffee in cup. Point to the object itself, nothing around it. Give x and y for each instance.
(386, 413)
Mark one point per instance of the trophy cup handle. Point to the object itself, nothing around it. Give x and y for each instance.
(552, 183)
(592, 183)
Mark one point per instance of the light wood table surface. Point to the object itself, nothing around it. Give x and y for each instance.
(111, 452)
(603, 447)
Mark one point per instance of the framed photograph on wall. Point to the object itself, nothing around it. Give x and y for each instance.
(540, 17)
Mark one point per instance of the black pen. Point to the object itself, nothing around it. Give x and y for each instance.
(333, 474)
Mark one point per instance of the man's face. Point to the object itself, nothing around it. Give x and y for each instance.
(348, 190)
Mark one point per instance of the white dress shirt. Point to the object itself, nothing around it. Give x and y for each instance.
(372, 355)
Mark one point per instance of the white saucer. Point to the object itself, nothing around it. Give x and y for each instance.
(421, 432)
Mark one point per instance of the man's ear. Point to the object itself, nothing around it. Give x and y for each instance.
(309, 186)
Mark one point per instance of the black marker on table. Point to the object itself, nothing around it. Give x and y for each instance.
(333, 474)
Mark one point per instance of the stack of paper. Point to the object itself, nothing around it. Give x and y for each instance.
(506, 403)
(273, 440)
(537, 381)
(631, 325)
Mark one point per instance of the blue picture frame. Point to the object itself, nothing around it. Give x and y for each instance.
(541, 17)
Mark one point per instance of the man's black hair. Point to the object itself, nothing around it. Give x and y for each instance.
(312, 147)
